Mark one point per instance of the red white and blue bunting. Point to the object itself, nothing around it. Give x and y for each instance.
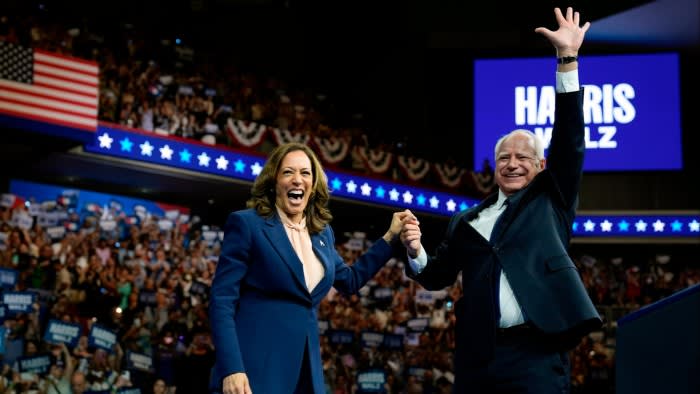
(247, 134)
(332, 150)
(414, 168)
(449, 175)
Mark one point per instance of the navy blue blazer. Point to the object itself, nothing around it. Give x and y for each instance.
(263, 317)
(530, 242)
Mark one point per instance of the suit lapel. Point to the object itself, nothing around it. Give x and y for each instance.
(274, 231)
(320, 246)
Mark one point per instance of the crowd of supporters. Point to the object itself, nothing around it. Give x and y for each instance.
(163, 87)
(148, 284)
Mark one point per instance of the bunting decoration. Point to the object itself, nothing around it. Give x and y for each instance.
(285, 136)
(332, 150)
(449, 175)
(414, 168)
(247, 134)
(377, 161)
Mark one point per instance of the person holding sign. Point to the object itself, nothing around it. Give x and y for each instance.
(278, 260)
(524, 304)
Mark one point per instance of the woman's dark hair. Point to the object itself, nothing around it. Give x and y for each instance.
(263, 192)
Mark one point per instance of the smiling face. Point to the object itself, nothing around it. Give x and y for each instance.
(294, 184)
(516, 163)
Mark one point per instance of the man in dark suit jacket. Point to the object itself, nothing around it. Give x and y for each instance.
(524, 304)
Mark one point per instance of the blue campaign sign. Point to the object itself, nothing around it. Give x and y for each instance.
(631, 108)
(18, 301)
(62, 332)
(3, 331)
(371, 381)
(8, 278)
(35, 364)
(102, 337)
(139, 361)
(340, 336)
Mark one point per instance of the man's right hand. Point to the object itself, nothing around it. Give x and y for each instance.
(410, 236)
(237, 383)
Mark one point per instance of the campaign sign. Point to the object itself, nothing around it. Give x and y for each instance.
(393, 341)
(102, 337)
(340, 336)
(418, 372)
(8, 278)
(139, 361)
(371, 381)
(129, 390)
(631, 108)
(199, 288)
(323, 326)
(3, 331)
(61, 332)
(147, 298)
(19, 301)
(418, 324)
(371, 339)
(35, 364)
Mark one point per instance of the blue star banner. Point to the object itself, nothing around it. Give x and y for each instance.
(195, 156)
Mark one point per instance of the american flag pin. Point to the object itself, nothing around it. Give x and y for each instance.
(321, 242)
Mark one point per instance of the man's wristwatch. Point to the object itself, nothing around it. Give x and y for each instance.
(567, 59)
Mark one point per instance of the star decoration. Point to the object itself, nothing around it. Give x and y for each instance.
(694, 226)
(336, 183)
(366, 189)
(146, 149)
(676, 226)
(351, 186)
(394, 194)
(588, 225)
(641, 226)
(105, 141)
(203, 159)
(185, 156)
(574, 226)
(658, 226)
(239, 166)
(407, 197)
(434, 202)
(420, 199)
(379, 191)
(221, 163)
(166, 153)
(255, 169)
(623, 226)
(451, 205)
(126, 144)
(463, 205)
(606, 226)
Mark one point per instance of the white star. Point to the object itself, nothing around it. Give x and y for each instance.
(366, 189)
(105, 141)
(204, 159)
(589, 225)
(451, 205)
(606, 226)
(255, 169)
(641, 226)
(407, 197)
(166, 153)
(658, 226)
(694, 226)
(146, 149)
(434, 202)
(351, 186)
(221, 163)
(393, 195)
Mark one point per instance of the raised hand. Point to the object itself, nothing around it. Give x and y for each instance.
(567, 39)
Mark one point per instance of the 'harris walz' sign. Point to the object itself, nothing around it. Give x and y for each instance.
(62, 332)
(102, 337)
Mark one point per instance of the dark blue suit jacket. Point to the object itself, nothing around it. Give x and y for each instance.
(530, 242)
(262, 316)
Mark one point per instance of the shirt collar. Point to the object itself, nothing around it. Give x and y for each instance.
(501, 199)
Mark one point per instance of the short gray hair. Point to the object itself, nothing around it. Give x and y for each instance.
(537, 143)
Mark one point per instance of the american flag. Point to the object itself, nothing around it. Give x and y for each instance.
(47, 87)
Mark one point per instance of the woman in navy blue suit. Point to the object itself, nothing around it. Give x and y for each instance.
(277, 262)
